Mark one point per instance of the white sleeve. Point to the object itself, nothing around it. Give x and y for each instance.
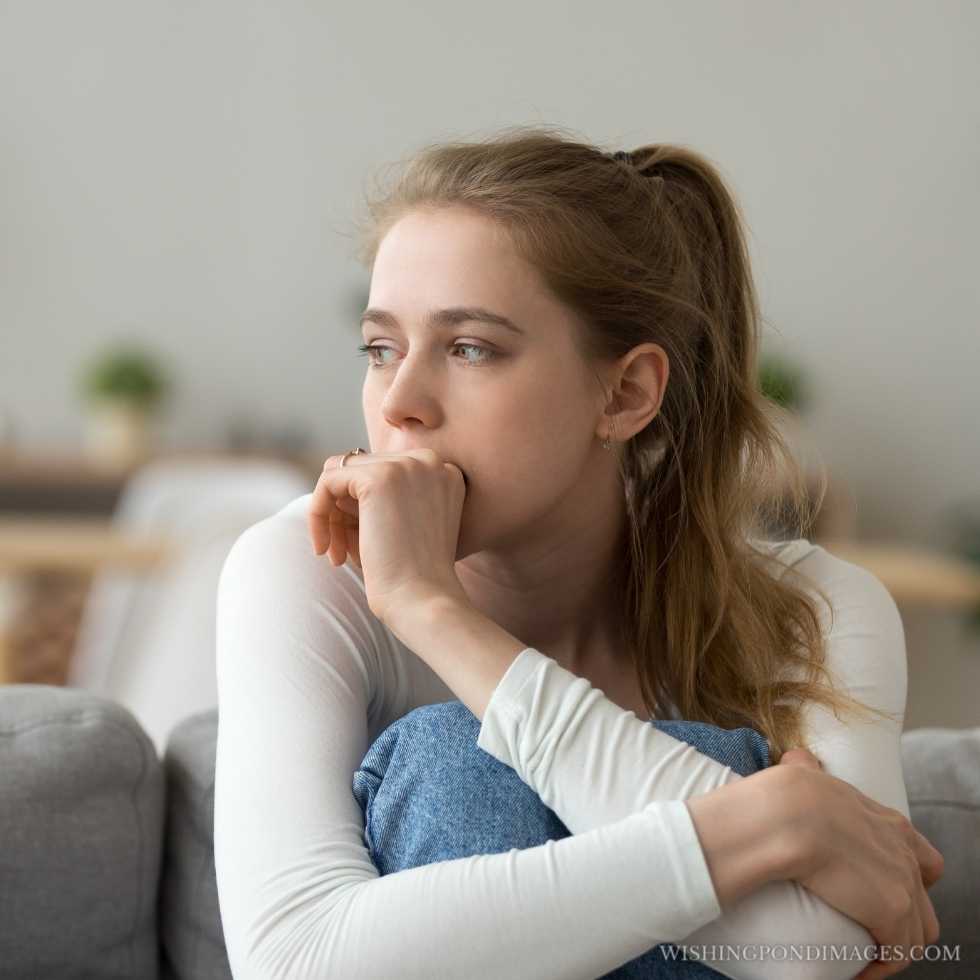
(593, 763)
(298, 893)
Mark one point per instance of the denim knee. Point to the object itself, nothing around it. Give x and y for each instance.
(429, 793)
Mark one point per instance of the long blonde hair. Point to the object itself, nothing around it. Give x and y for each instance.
(650, 248)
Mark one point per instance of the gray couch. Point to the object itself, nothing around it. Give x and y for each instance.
(106, 851)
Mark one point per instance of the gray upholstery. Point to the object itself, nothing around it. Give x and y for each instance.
(942, 776)
(81, 831)
(190, 923)
(94, 881)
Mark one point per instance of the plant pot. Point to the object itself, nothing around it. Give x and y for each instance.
(118, 432)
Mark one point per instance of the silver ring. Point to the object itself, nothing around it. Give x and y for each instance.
(350, 452)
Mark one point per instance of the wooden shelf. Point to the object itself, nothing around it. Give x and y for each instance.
(72, 467)
(914, 576)
(30, 545)
(55, 481)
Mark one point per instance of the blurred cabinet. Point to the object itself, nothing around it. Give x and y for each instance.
(68, 482)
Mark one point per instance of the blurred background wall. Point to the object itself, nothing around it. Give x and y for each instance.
(185, 175)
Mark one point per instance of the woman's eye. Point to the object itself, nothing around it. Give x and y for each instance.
(369, 350)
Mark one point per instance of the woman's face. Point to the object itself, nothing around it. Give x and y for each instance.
(516, 409)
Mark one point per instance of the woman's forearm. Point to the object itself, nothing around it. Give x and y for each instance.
(468, 650)
(742, 827)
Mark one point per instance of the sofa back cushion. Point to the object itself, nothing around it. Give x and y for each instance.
(942, 776)
(81, 821)
(190, 920)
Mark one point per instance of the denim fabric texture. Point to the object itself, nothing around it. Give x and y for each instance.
(429, 793)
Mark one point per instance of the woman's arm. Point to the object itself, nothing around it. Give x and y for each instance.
(299, 895)
(592, 762)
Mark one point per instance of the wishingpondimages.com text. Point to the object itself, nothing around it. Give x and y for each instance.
(795, 952)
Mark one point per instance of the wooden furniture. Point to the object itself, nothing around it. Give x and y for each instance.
(70, 482)
(914, 576)
(74, 544)
(31, 546)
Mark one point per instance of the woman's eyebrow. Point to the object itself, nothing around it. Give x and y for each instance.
(449, 317)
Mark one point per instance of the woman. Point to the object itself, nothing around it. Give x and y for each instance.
(553, 528)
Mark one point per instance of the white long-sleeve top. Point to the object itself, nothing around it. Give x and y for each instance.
(308, 677)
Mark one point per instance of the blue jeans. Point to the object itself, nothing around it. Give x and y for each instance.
(429, 793)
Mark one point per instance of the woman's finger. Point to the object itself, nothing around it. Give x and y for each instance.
(352, 545)
(321, 515)
(910, 932)
(931, 862)
(895, 938)
(348, 505)
(347, 531)
(340, 530)
(930, 921)
(338, 544)
(326, 512)
(917, 938)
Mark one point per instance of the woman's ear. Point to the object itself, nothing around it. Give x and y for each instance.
(638, 390)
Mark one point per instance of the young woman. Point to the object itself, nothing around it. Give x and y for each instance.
(553, 531)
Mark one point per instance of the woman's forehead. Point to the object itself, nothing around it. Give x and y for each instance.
(447, 235)
(455, 258)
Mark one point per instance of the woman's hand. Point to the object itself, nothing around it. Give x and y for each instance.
(398, 516)
(865, 859)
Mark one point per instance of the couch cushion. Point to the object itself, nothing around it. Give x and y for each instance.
(190, 920)
(81, 820)
(942, 775)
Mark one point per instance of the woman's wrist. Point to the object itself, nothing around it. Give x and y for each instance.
(747, 835)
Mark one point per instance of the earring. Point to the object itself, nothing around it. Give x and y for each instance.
(606, 444)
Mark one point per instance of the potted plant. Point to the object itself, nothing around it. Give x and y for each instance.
(783, 382)
(123, 387)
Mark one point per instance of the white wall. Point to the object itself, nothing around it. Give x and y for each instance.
(185, 174)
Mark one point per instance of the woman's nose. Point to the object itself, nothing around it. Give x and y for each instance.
(411, 393)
